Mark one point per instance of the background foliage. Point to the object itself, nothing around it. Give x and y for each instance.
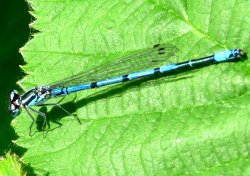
(14, 32)
(9, 166)
(192, 123)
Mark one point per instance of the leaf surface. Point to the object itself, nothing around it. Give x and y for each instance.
(193, 123)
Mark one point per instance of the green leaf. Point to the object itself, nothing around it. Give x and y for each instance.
(195, 123)
(10, 166)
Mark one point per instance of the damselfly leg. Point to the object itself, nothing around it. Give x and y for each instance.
(59, 106)
(27, 108)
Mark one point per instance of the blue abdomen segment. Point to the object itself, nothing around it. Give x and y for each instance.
(140, 74)
(217, 57)
(227, 55)
(167, 68)
(109, 81)
(67, 90)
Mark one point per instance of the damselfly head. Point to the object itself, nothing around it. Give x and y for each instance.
(15, 103)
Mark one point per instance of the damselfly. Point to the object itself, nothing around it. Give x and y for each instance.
(156, 60)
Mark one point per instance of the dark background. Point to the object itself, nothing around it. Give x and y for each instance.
(14, 33)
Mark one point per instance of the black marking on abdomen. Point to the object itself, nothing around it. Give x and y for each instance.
(62, 92)
(93, 85)
(125, 78)
(157, 70)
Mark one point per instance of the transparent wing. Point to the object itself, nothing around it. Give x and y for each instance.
(158, 55)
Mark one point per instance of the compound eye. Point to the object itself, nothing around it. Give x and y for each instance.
(14, 107)
(14, 95)
(15, 113)
(14, 110)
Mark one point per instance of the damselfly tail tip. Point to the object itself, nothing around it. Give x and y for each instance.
(242, 53)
